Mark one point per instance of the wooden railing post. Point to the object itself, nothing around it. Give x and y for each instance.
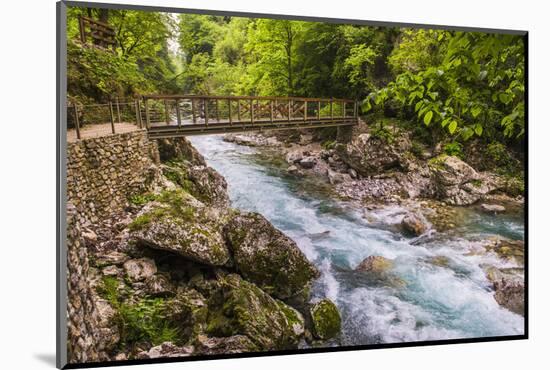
(251, 111)
(271, 110)
(112, 116)
(289, 110)
(217, 111)
(331, 111)
(147, 118)
(355, 109)
(76, 122)
(193, 111)
(229, 111)
(166, 113)
(318, 110)
(305, 110)
(205, 102)
(239, 110)
(178, 113)
(344, 109)
(118, 110)
(138, 115)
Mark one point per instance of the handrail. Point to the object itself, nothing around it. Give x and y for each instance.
(243, 97)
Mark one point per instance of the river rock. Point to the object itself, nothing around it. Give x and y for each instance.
(165, 350)
(457, 183)
(180, 224)
(140, 269)
(492, 208)
(370, 155)
(294, 157)
(242, 308)
(325, 319)
(221, 346)
(267, 257)
(375, 264)
(336, 178)
(293, 169)
(509, 288)
(308, 162)
(414, 223)
(111, 258)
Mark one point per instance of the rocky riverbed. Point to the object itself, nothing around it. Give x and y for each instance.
(430, 197)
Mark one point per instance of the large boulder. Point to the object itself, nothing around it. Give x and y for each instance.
(371, 154)
(180, 224)
(457, 183)
(241, 308)
(267, 257)
(179, 149)
(326, 319)
(415, 224)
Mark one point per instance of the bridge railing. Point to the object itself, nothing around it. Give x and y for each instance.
(189, 111)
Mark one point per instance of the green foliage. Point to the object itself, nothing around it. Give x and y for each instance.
(141, 199)
(383, 133)
(328, 144)
(477, 87)
(454, 148)
(144, 321)
(140, 64)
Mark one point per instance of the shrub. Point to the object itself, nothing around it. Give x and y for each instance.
(454, 149)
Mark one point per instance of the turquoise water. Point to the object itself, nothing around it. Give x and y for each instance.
(421, 301)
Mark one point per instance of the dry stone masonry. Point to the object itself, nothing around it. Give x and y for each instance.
(103, 172)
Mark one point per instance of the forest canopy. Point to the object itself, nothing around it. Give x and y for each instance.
(446, 85)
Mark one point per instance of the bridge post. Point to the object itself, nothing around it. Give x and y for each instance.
(147, 119)
(111, 115)
(343, 134)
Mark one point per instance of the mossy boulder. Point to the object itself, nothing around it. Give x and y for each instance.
(242, 308)
(267, 257)
(325, 319)
(201, 181)
(178, 223)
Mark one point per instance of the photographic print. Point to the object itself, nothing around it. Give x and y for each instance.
(239, 184)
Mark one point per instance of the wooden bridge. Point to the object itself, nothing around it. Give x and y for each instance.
(183, 115)
(166, 116)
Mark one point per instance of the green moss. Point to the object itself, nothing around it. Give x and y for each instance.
(326, 319)
(141, 199)
(437, 162)
(477, 183)
(140, 222)
(328, 144)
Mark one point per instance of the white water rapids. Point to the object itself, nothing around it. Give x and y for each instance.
(435, 302)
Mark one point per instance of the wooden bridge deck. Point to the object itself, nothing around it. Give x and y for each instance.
(166, 116)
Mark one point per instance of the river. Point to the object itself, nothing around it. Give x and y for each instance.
(424, 301)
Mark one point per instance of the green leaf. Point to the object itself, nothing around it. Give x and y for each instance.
(452, 126)
(428, 118)
(476, 111)
(478, 129)
(418, 105)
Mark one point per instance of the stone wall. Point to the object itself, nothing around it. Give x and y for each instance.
(103, 172)
(82, 314)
